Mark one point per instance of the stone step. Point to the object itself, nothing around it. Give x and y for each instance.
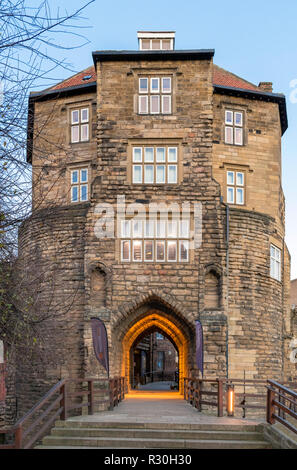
(83, 423)
(157, 433)
(143, 443)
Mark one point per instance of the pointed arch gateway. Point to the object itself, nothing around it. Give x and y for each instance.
(155, 314)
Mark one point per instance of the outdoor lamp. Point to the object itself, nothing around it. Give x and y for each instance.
(230, 399)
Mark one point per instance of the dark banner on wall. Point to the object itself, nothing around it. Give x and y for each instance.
(100, 342)
(199, 346)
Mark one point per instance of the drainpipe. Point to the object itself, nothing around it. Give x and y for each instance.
(227, 290)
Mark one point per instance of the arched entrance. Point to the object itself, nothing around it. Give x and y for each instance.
(155, 320)
(154, 361)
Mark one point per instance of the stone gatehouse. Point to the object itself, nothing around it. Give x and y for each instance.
(160, 125)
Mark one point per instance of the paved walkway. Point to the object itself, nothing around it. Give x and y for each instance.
(156, 386)
(158, 407)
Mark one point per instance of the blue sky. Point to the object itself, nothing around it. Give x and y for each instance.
(256, 40)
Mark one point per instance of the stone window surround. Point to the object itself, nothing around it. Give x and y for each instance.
(155, 143)
(79, 106)
(235, 107)
(150, 93)
(149, 72)
(77, 166)
(245, 169)
(154, 239)
(235, 186)
(273, 243)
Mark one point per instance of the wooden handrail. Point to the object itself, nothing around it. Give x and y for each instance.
(117, 393)
(276, 390)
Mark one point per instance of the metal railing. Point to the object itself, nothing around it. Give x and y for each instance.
(56, 404)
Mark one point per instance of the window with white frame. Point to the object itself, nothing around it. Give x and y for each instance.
(234, 127)
(235, 187)
(155, 240)
(154, 95)
(155, 164)
(79, 185)
(79, 125)
(155, 44)
(275, 262)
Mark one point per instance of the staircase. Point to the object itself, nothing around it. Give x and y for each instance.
(115, 435)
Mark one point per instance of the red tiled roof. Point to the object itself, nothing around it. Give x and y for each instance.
(220, 77)
(225, 78)
(77, 79)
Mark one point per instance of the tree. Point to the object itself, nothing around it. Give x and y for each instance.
(31, 42)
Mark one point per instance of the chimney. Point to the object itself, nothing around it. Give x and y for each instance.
(266, 86)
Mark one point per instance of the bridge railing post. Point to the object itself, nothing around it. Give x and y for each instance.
(220, 398)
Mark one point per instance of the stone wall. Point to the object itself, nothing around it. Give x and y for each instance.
(226, 283)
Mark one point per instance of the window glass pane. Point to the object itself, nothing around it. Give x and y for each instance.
(75, 117)
(272, 251)
(84, 192)
(155, 85)
(75, 134)
(74, 176)
(239, 196)
(171, 251)
(229, 117)
(230, 195)
(229, 135)
(160, 245)
(137, 174)
(156, 44)
(238, 135)
(155, 104)
(230, 177)
(148, 174)
(172, 173)
(137, 154)
(145, 44)
(84, 115)
(143, 104)
(74, 193)
(126, 250)
(238, 119)
(83, 175)
(85, 132)
(166, 85)
(125, 228)
(184, 228)
(166, 44)
(160, 154)
(166, 104)
(160, 174)
(277, 253)
(149, 226)
(137, 250)
(137, 228)
(172, 154)
(161, 226)
(184, 250)
(148, 154)
(143, 85)
(148, 250)
(172, 228)
(239, 178)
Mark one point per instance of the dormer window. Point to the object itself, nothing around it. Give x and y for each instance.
(156, 41)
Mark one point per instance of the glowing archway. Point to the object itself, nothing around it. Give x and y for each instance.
(155, 320)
